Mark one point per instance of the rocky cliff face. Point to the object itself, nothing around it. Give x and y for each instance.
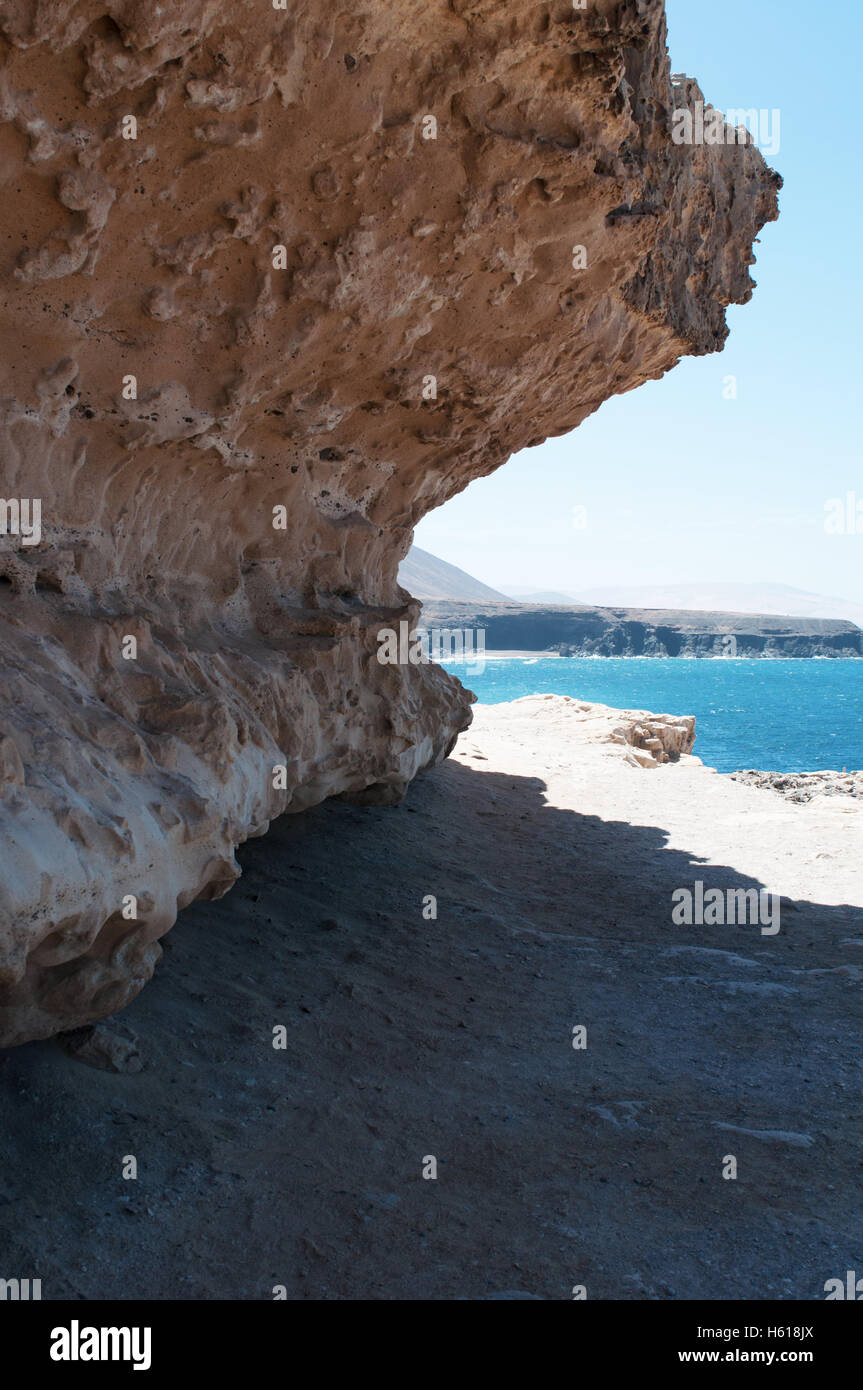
(278, 281)
(666, 632)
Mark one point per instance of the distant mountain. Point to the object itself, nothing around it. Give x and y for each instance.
(425, 576)
(543, 596)
(780, 600)
(430, 578)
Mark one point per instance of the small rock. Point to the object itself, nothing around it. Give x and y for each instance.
(110, 1049)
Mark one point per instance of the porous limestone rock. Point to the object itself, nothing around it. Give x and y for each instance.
(654, 739)
(283, 223)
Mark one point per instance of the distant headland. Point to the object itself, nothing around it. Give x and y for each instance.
(585, 631)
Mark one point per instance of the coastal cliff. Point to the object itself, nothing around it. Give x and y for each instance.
(632, 632)
(277, 283)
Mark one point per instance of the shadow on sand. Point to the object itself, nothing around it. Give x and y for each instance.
(452, 1038)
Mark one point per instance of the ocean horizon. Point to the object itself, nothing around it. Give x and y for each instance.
(768, 715)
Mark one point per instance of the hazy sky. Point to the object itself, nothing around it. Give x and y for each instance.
(680, 484)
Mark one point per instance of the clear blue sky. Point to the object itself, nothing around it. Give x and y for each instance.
(679, 484)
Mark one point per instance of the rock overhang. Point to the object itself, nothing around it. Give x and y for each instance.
(269, 307)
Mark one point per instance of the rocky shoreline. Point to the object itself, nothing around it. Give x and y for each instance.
(804, 786)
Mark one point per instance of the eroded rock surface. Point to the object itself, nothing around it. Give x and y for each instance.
(805, 786)
(294, 379)
(654, 739)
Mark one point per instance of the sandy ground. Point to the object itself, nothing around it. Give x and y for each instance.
(553, 863)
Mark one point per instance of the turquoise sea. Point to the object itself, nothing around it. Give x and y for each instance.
(776, 716)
